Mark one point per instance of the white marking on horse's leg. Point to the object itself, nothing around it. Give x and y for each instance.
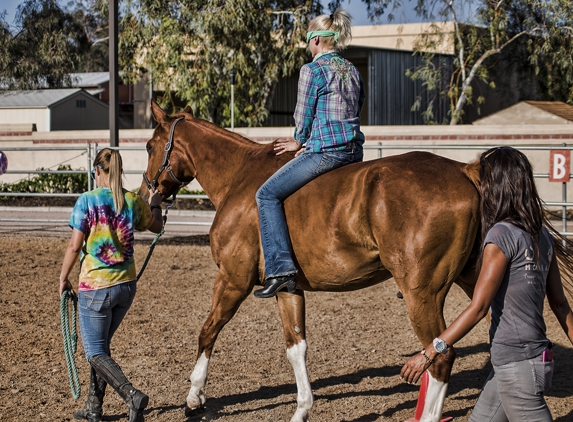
(297, 358)
(196, 396)
(434, 403)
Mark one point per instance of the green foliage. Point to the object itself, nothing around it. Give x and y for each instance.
(50, 183)
(185, 191)
(49, 43)
(191, 47)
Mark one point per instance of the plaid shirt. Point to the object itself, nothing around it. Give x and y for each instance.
(330, 97)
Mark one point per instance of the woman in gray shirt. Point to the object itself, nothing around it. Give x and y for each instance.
(518, 269)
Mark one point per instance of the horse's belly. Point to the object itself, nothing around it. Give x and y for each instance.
(343, 279)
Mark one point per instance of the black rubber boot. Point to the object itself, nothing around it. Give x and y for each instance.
(275, 284)
(92, 410)
(110, 371)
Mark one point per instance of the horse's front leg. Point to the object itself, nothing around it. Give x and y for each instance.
(292, 311)
(228, 295)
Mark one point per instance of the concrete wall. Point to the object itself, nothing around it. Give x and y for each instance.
(392, 138)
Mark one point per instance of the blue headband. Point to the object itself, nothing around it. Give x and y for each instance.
(313, 34)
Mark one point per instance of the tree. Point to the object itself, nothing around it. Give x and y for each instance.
(45, 49)
(191, 47)
(541, 28)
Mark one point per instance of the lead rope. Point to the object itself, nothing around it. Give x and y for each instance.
(70, 336)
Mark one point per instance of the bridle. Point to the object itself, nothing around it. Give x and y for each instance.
(166, 165)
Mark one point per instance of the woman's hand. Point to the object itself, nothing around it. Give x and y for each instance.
(283, 145)
(66, 285)
(155, 197)
(415, 367)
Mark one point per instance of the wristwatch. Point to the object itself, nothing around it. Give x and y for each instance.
(440, 345)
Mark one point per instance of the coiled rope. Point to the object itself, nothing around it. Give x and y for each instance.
(70, 336)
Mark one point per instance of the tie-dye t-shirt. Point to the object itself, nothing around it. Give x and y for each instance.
(107, 253)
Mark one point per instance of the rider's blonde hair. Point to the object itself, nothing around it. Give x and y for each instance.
(341, 22)
(110, 162)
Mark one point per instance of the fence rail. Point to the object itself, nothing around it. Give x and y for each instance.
(90, 150)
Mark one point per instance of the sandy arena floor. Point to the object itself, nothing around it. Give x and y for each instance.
(357, 344)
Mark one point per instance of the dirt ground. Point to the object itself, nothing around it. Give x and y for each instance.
(357, 344)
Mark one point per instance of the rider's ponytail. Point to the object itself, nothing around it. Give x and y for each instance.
(340, 22)
(110, 162)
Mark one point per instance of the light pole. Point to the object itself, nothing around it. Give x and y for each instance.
(113, 75)
(232, 100)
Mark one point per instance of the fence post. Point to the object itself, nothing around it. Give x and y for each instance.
(89, 166)
(564, 208)
(379, 149)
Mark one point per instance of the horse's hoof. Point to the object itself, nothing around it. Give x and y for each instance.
(189, 413)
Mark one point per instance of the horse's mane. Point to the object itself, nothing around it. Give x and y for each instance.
(207, 125)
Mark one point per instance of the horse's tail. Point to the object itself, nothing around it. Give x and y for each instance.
(471, 171)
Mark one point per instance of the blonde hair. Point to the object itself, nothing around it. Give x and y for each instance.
(110, 162)
(341, 22)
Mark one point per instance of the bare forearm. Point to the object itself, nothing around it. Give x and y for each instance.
(564, 315)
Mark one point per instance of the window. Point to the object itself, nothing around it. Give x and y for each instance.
(81, 104)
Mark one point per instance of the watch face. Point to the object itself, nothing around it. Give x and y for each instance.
(440, 346)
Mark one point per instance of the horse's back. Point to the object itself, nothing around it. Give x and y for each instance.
(386, 214)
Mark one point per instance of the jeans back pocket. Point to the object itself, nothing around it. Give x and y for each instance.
(542, 375)
(96, 300)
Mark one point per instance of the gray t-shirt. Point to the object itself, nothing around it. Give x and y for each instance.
(517, 330)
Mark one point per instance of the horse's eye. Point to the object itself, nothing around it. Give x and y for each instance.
(148, 147)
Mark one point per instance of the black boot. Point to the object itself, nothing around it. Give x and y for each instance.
(110, 371)
(92, 410)
(274, 284)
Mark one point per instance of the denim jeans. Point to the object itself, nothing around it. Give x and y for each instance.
(275, 238)
(514, 392)
(101, 311)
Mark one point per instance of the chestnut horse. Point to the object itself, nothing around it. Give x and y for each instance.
(413, 217)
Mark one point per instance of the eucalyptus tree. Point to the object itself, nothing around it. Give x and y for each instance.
(44, 49)
(190, 48)
(539, 32)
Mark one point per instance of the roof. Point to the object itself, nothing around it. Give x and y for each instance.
(558, 108)
(89, 79)
(35, 99)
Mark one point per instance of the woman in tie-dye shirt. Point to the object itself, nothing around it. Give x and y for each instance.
(103, 223)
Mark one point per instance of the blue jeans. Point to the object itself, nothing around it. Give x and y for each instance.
(101, 311)
(275, 238)
(514, 392)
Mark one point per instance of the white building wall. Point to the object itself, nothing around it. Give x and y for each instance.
(38, 116)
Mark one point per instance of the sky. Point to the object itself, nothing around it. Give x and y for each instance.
(356, 8)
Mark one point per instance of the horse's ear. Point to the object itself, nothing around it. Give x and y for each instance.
(188, 110)
(158, 114)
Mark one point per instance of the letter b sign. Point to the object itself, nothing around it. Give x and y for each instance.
(559, 165)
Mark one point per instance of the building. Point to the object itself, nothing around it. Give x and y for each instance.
(531, 113)
(54, 109)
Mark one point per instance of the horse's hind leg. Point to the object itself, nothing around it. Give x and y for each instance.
(226, 299)
(292, 311)
(425, 307)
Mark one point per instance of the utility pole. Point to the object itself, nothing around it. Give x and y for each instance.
(232, 100)
(113, 75)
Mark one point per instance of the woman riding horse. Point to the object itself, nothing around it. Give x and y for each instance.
(327, 136)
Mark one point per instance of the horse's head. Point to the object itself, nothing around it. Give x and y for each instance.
(168, 170)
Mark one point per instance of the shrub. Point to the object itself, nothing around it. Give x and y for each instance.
(50, 183)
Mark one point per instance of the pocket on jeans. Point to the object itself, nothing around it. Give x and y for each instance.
(96, 300)
(331, 161)
(542, 375)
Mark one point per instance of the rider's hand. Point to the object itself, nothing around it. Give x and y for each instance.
(155, 197)
(283, 145)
